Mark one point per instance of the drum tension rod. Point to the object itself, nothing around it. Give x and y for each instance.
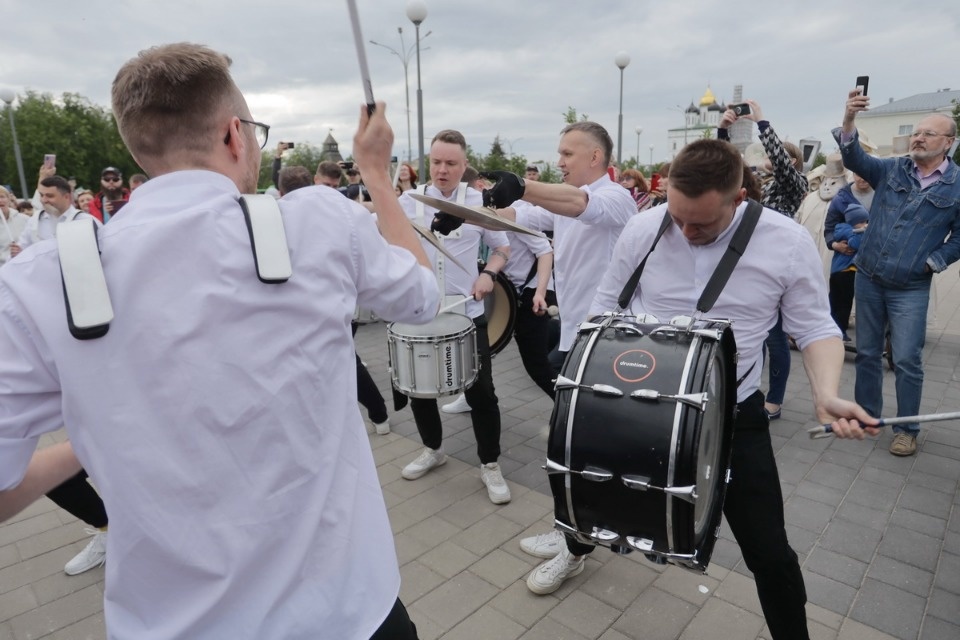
(600, 389)
(593, 474)
(698, 400)
(642, 483)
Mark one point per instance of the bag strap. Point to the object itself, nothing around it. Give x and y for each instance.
(85, 294)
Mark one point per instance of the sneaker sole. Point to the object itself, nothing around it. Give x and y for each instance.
(498, 499)
(542, 591)
(413, 475)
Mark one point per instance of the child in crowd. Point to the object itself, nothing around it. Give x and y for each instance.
(842, 269)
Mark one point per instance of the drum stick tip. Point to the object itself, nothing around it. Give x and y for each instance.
(553, 310)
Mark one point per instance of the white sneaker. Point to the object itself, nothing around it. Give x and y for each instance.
(93, 555)
(497, 489)
(426, 461)
(382, 428)
(548, 577)
(459, 405)
(545, 545)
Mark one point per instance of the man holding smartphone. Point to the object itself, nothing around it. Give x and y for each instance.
(111, 197)
(914, 232)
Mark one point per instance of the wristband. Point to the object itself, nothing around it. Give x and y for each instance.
(492, 275)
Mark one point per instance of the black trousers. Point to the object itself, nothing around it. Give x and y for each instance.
(484, 407)
(754, 509)
(841, 297)
(397, 625)
(78, 498)
(532, 333)
(367, 392)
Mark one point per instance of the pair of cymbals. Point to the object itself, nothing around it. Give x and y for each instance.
(481, 216)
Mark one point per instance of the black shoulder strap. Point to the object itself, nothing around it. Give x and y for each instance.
(731, 256)
(634, 280)
(721, 274)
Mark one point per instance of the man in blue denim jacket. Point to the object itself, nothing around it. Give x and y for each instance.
(914, 232)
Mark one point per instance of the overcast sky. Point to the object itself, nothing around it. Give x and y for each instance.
(507, 67)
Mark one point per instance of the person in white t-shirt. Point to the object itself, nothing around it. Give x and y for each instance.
(56, 198)
(218, 414)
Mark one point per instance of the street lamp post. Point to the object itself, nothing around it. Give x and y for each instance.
(417, 13)
(622, 60)
(8, 96)
(404, 54)
(651, 158)
(639, 131)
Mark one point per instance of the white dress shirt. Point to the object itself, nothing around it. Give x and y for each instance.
(779, 271)
(218, 416)
(524, 252)
(582, 247)
(42, 226)
(463, 243)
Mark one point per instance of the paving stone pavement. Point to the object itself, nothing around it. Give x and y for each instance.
(878, 536)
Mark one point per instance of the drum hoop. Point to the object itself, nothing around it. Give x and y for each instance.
(694, 347)
(401, 337)
(510, 293)
(571, 411)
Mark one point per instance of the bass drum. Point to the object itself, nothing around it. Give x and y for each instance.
(500, 308)
(638, 454)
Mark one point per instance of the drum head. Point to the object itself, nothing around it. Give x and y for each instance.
(500, 308)
(445, 324)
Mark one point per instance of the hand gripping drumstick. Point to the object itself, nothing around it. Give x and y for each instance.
(825, 431)
(361, 55)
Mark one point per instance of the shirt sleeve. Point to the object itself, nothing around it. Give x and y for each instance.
(31, 403)
(804, 305)
(608, 207)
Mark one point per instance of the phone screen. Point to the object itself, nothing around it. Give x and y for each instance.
(50, 160)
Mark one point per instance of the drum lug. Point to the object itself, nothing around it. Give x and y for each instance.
(697, 400)
(592, 474)
(605, 390)
(712, 334)
(564, 382)
(683, 493)
(588, 326)
(640, 483)
(628, 328)
(603, 535)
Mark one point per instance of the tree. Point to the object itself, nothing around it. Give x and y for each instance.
(83, 135)
(571, 117)
(305, 154)
(819, 160)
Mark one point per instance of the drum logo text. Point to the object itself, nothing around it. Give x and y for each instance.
(635, 365)
(448, 364)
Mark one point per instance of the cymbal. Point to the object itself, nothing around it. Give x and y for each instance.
(427, 235)
(481, 216)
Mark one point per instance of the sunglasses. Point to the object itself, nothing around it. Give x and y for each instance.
(110, 179)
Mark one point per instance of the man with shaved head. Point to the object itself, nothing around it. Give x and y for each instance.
(914, 232)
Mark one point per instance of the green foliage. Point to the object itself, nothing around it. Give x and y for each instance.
(304, 154)
(571, 116)
(83, 135)
(819, 160)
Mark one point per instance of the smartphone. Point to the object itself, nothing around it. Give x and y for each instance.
(50, 160)
(289, 145)
(862, 83)
(741, 109)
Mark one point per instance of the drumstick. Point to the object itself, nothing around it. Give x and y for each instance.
(454, 305)
(825, 430)
(361, 55)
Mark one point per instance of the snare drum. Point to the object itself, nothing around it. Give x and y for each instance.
(434, 359)
(640, 437)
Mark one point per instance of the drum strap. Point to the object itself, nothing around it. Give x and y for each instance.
(721, 274)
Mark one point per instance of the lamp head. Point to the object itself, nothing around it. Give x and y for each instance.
(417, 11)
(622, 59)
(7, 95)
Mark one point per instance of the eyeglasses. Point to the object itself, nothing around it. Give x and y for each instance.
(928, 134)
(110, 179)
(261, 131)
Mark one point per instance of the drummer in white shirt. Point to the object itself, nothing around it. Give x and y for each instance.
(586, 214)
(12, 223)
(448, 162)
(218, 414)
(778, 273)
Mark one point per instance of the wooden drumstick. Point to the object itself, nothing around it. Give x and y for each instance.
(454, 305)
(825, 430)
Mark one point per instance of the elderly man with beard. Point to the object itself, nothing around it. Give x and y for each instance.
(913, 233)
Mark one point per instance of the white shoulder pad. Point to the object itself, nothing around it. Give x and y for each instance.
(89, 311)
(267, 237)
